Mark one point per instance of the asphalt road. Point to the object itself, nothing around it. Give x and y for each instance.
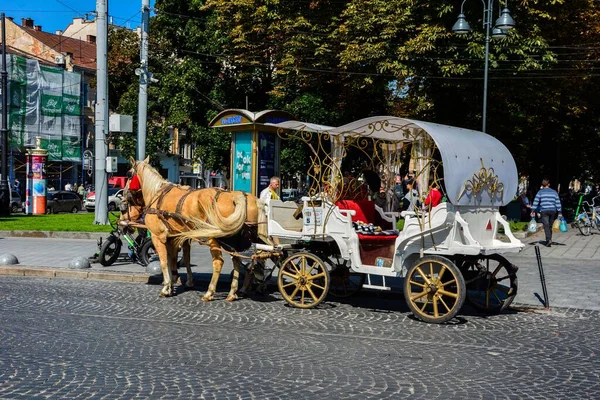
(62, 338)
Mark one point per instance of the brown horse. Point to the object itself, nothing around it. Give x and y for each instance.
(132, 212)
(175, 214)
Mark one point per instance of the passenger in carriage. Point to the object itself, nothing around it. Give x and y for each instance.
(434, 197)
(411, 198)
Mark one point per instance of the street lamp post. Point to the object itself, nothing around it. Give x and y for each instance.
(503, 24)
(4, 184)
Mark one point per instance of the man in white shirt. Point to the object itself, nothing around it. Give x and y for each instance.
(68, 187)
(270, 192)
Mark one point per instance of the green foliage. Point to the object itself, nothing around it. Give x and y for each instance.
(333, 62)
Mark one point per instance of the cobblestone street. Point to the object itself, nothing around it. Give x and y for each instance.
(64, 338)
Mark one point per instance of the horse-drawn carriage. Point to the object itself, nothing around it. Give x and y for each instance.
(338, 240)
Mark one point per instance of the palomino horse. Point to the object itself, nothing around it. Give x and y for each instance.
(132, 212)
(175, 214)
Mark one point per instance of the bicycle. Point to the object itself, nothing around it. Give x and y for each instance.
(588, 218)
(140, 247)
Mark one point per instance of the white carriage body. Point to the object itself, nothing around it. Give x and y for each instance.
(479, 175)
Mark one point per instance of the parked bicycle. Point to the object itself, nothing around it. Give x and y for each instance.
(139, 245)
(587, 216)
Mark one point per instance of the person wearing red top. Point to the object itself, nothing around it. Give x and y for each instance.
(434, 197)
(134, 184)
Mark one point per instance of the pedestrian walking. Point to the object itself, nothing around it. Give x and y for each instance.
(270, 192)
(547, 203)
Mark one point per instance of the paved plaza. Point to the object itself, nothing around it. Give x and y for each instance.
(67, 338)
(96, 338)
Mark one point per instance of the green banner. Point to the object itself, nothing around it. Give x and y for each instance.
(45, 102)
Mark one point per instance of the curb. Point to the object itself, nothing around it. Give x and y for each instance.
(55, 235)
(78, 274)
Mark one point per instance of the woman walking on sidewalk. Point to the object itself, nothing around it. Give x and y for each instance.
(548, 203)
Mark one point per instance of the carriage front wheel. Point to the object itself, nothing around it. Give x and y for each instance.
(303, 280)
(434, 289)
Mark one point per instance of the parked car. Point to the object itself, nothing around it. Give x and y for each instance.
(62, 201)
(16, 203)
(115, 198)
(290, 195)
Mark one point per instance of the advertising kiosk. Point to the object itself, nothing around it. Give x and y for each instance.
(255, 147)
(35, 190)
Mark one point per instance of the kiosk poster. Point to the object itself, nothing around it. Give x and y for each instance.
(266, 159)
(242, 162)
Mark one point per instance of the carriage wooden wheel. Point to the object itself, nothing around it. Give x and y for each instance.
(303, 280)
(434, 289)
(344, 281)
(492, 283)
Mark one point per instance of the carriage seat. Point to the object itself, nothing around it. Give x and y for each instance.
(364, 210)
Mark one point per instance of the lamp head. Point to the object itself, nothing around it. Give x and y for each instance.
(461, 26)
(505, 21)
(499, 33)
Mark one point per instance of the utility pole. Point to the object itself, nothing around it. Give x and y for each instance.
(4, 186)
(145, 76)
(101, 181)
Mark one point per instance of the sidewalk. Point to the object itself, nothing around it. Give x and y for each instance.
(570, 265)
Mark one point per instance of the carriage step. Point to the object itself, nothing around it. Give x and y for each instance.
(378, 287)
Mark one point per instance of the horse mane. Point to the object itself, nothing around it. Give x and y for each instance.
(151, 180)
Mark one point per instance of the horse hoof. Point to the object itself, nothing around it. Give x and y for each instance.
(231, 297)
(188, 288)
(207, 298)
(161, 294)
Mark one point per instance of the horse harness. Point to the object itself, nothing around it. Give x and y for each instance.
(163, 215)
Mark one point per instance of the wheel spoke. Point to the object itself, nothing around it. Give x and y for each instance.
(294, 292)
(284, 272)
(296, 268)
(444, 303)
(314, 297)
(496, 296)
(449, 294)
(317, 286)
(425, 304)
(487, 298)
(498, 268)
(418, 296)
(312, 267)
(435, 307)
(313, 277)
(503, 278)
(303, 266)
(423, 276)
(449, 282)
(431, 270)
(418, 284)
(444, 268)
(288, 285)
(302, 296)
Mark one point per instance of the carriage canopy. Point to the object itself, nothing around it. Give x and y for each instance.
(478, 169)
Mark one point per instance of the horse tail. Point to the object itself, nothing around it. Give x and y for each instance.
(263, 232)
(215, 225)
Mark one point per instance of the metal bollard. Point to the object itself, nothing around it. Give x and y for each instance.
(542, 277)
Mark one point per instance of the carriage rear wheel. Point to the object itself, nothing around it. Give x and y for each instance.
(303, 280)
(434, 289)
(492, 283)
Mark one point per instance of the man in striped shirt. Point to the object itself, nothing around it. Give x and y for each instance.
(548, 203)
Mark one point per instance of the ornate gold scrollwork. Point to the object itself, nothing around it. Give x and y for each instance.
(484, 179)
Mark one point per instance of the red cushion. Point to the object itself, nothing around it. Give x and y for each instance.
(378, 238)
(365, 209)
